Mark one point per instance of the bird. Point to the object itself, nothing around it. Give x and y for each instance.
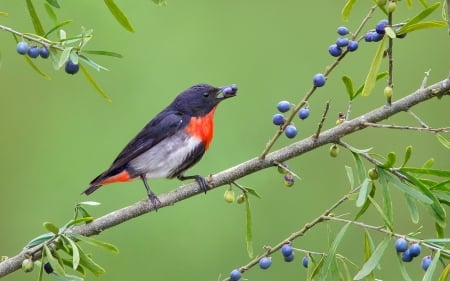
(172, 142)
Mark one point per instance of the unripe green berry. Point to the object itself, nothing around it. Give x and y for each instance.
(281, 168)
(27, 265)
(381, 2)
(229, 196)
(373, 174)
(240, 199)
(391, 7)
(388, 92)
(334, 150)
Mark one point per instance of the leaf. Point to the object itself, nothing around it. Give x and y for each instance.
(96, 243)
(317, 268)
(419, 17)
(248, 227)
(94, 84)
(54, 3)
(84, 219)
(443, 141)
(403, 271)
(371, 77)
(363, 193)
(4, 14)
(434, 172)
(440, 231)
(390, 161)
(58, 269)
(331, 254)
(51, 14)
(379, 76)
(90, 203)
(103, 53)
(424, 25)
(382, 213)
(89, 264)
(444, 274)
(51, 227)
(390, 32)
(407, 155)
(374, 259)
(40, 239)
(37, 69)
(119, 15)
(252, 191)
(160, 3)
(348, 86)
(387, 200)
(92, 63)
(432, 268)
(368, 249)
(347, 9)
(34, 18)
(429, 163)
(406, 188)
(359, 167)
(350, 176)
(64, 56)
(57, 27)
(75, 252)
(367, 203)
(414, 212)
(359, 151)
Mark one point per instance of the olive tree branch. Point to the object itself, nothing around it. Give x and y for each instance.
(333, 135)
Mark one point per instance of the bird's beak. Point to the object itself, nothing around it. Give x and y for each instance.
(227, 92)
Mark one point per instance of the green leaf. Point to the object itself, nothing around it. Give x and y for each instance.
(359, 167)
(379, 76)
(424, 25)
(407, 155)
(252, 191)
(347, 9)
(119, 15)
(54, 3)
(94, 84)
(84, 219)
(432, 268)
(40, 239)
(403, 271)
(367, 203)
(363, 193)
(359, 151)
(90, 203)
(64, 56)
(437, 241)
(387, 199)
(371, 77)
(443, 141)
(444, 274)
(374, 259)
(434, 172)
(429, 163)
(96, 243)
(248, 228)
(57, 27)
(348, 86)
(89, 263)
(58, 269)
(51, 227)
(103, 53)
(350, 176)
(382, 213)
(51, 14)
(34, 18)
(160, 3)
(414, 212)
(75, 252)
(406, 188)
(331, 254)
(317, 267)
(390, 161)
(440, 231)
(368, 249)
(390, 32)
(92, 63)
(4, 14)
(419, 17)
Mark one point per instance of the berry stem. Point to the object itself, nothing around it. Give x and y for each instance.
(389, 52)
(32, 37)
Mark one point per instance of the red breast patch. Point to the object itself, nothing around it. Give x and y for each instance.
(202, 127)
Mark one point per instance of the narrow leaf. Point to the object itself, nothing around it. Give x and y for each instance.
(429, 163)
(92, 63)
(57, 27)
(371, 77)
(444, 274)
(432, 268)
(34, 18)
(253, 192)
(434, 172)
(89, 264)
(381, 212)
(347, 9)
(119, 15)
(64, 56)
(248, 228)
(387, 200)
(84, 219)
(94, 242)
(440, 231)
(75, 252)
(368, 249)
(40, 239)
(426, 199)
(373, 261)
(412, 206)
(103, 53)
(359, 167)
(350, 176)
(331, 254)
(403, 270)
(367, 203)
(51, 14)
(348, 86)
(54, 3)
(390, 161)
(51, 227)
(408, 152)
(53, 262)
(363, 191)
(443, 141)
(379, 76)
(94, 84)
(90, 203)
(424, 25)
(419, 17)
(317, 268)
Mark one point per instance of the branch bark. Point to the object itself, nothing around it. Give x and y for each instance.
(332, 135)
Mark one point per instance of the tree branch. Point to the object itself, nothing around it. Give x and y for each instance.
(332, 135)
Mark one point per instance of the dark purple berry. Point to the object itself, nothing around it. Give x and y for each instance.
(377, 37)
(289, 258)
(334, 50)
(381, 25)
(265, 262)
(278, 119)
(72, 68)
(401, 245)
(368, 37)
(414, 250)
(284, 106)
(406, 256)
(33, 52)
(303, 113)
(342, 30)
(401, 36)
(305, 261)
(426, 261)
(342, 42)
(44, 52)
(319, 80)
(22, 47)
(235, 275)
(286, 250)
(290, 131)
(48, 268)
(288, 180)
(352, 46)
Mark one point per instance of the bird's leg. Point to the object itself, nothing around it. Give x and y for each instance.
(202, 182)
(151, 196)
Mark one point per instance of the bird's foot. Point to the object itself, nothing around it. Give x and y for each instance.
(201, 181)
(154, 200)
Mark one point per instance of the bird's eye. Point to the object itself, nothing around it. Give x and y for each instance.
(205, 94)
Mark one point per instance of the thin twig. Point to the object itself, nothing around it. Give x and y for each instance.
(387, 126)
(324, 116)
(423, 124)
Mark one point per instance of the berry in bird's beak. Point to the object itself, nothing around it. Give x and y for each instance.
(227, 92)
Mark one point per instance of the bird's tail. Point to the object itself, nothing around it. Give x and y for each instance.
(95, 184)
(109, 177)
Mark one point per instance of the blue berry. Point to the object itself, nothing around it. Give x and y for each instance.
(44, 52)
(334, 50)
(305, 261)
(426, 261)
(303, 113)
(414, 250)
(406, 256)
(401, 245)
(290, 131)
(278, 119)
(235, 275)
(319, 80)
(286, 250)
(377, 37)
(71, 68)
(352, 46)
(342, 30)
(289, 258)
(381, 25)
(265, 262)
(284, 106)
(342, 42)
(22, 47)
(33, 52)
(368, 37)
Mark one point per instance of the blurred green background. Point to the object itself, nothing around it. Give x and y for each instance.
(57, 135)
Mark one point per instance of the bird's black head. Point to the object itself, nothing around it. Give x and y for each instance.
(200, 99)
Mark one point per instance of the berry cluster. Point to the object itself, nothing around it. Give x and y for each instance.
(342, 42)
(278, 119)
(288, 178)
(409, 252)
(230, 197)
(34, 51)
(379, 32)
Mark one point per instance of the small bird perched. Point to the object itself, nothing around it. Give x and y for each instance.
(170, 143)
